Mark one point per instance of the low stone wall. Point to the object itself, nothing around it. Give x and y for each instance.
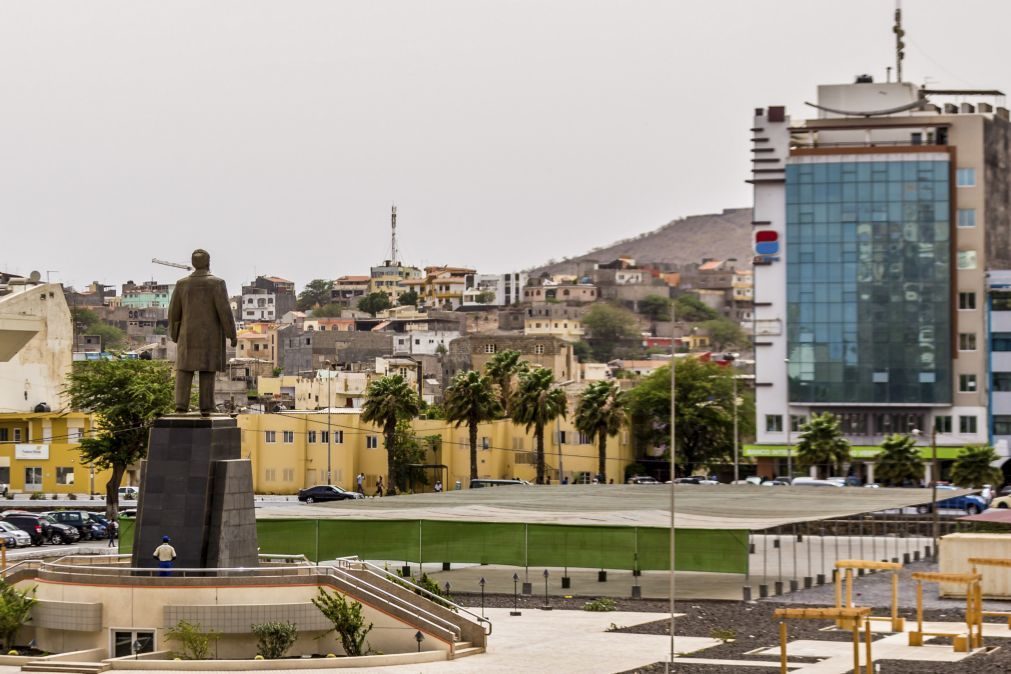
(151, 664)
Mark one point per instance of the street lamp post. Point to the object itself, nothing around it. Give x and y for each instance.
(329, 416)
(788, 420)
(935, 523)
(673, 422)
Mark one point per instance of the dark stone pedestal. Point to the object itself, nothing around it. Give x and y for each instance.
(197, 489)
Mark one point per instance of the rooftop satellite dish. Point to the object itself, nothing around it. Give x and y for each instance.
(35, 277)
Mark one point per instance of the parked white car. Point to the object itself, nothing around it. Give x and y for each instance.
(22, 537)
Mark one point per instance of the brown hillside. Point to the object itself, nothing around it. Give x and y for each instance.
(715, 235)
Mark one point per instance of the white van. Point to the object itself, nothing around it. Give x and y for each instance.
(128, 493)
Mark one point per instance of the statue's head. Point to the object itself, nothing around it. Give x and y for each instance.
(201, 259)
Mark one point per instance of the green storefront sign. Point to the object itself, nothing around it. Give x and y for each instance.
(856, 451)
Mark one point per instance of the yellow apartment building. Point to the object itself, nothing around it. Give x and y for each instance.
(289, 450)
(40, 452)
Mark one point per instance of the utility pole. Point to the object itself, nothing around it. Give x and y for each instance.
(329, 416)
(673, 357)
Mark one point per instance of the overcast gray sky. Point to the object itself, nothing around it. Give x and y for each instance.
(278, 134)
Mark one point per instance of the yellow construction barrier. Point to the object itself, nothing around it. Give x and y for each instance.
(962, 642)
(851, 615)
(1000, 563)
(848, 566)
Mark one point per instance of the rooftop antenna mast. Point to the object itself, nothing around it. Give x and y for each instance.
(900, 46)
(393, 236)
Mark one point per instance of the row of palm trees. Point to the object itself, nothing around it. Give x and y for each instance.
(899, 463)
(473, 398)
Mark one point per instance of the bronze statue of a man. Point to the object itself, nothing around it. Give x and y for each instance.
(199, 321)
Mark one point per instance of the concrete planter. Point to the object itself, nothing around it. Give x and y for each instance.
(152, 664)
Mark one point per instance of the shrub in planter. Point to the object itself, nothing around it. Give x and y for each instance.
(15, 611)
(72, 496)
(347, 620)
(196, 643)
(273, 639)
(602, 605)
(36, 496)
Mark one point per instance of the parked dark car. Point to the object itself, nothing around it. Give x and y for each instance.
(61, 534)
(326, 492)
(36, 525)
(109, 525)
(86, 525)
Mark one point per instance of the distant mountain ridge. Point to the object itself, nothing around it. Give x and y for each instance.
(684, 241)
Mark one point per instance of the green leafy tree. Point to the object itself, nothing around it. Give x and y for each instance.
(704, 413)
(973, 468)
(535, 404)
(315, 294)
(655, 307)
(388, 400)
(409, 453)
(112, 337)
(485, 297)
(348, 621)
(502, 367)
(373, 303)
(470, 399)
(87, 322)
(690, 308)
(610, 328)
(127, 396)
(273, 639)
(899, 462)
(408, 298)
(582, 351)
(822, 443)
(600, 413)
(724, 333)
(331, 310)
(15, 611)
(195, 641)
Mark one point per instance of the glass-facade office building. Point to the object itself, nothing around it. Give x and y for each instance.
(869, 275)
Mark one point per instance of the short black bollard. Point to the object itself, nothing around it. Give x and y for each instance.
(636, 592)
(445, 566)
(794, 585)
(808, 582)
(820, 579)
(602, 576)
(566, 582)
(528, 588)
(547, 603)
(916, 555)
(405, 571)
(905, 558)
(515, 611)
(746, 593)
(778, 587)
(763, 591)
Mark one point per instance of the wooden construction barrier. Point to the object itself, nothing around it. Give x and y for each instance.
(848, 566)
(999, 563)
(853, 616)
(962, 642)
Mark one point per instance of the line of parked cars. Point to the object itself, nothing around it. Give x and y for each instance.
(20, 528)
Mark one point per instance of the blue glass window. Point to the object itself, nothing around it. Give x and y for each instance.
(868, 276)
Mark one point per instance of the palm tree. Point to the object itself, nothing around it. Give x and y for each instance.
(389, 400)
(899, 462)
(822, 442)
(600, 413)
(470, 399)
(502, 367)
(536, 403)
(973, 467)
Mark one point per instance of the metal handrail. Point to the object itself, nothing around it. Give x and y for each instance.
(397, 601)
(379, 594)
(372, 568)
